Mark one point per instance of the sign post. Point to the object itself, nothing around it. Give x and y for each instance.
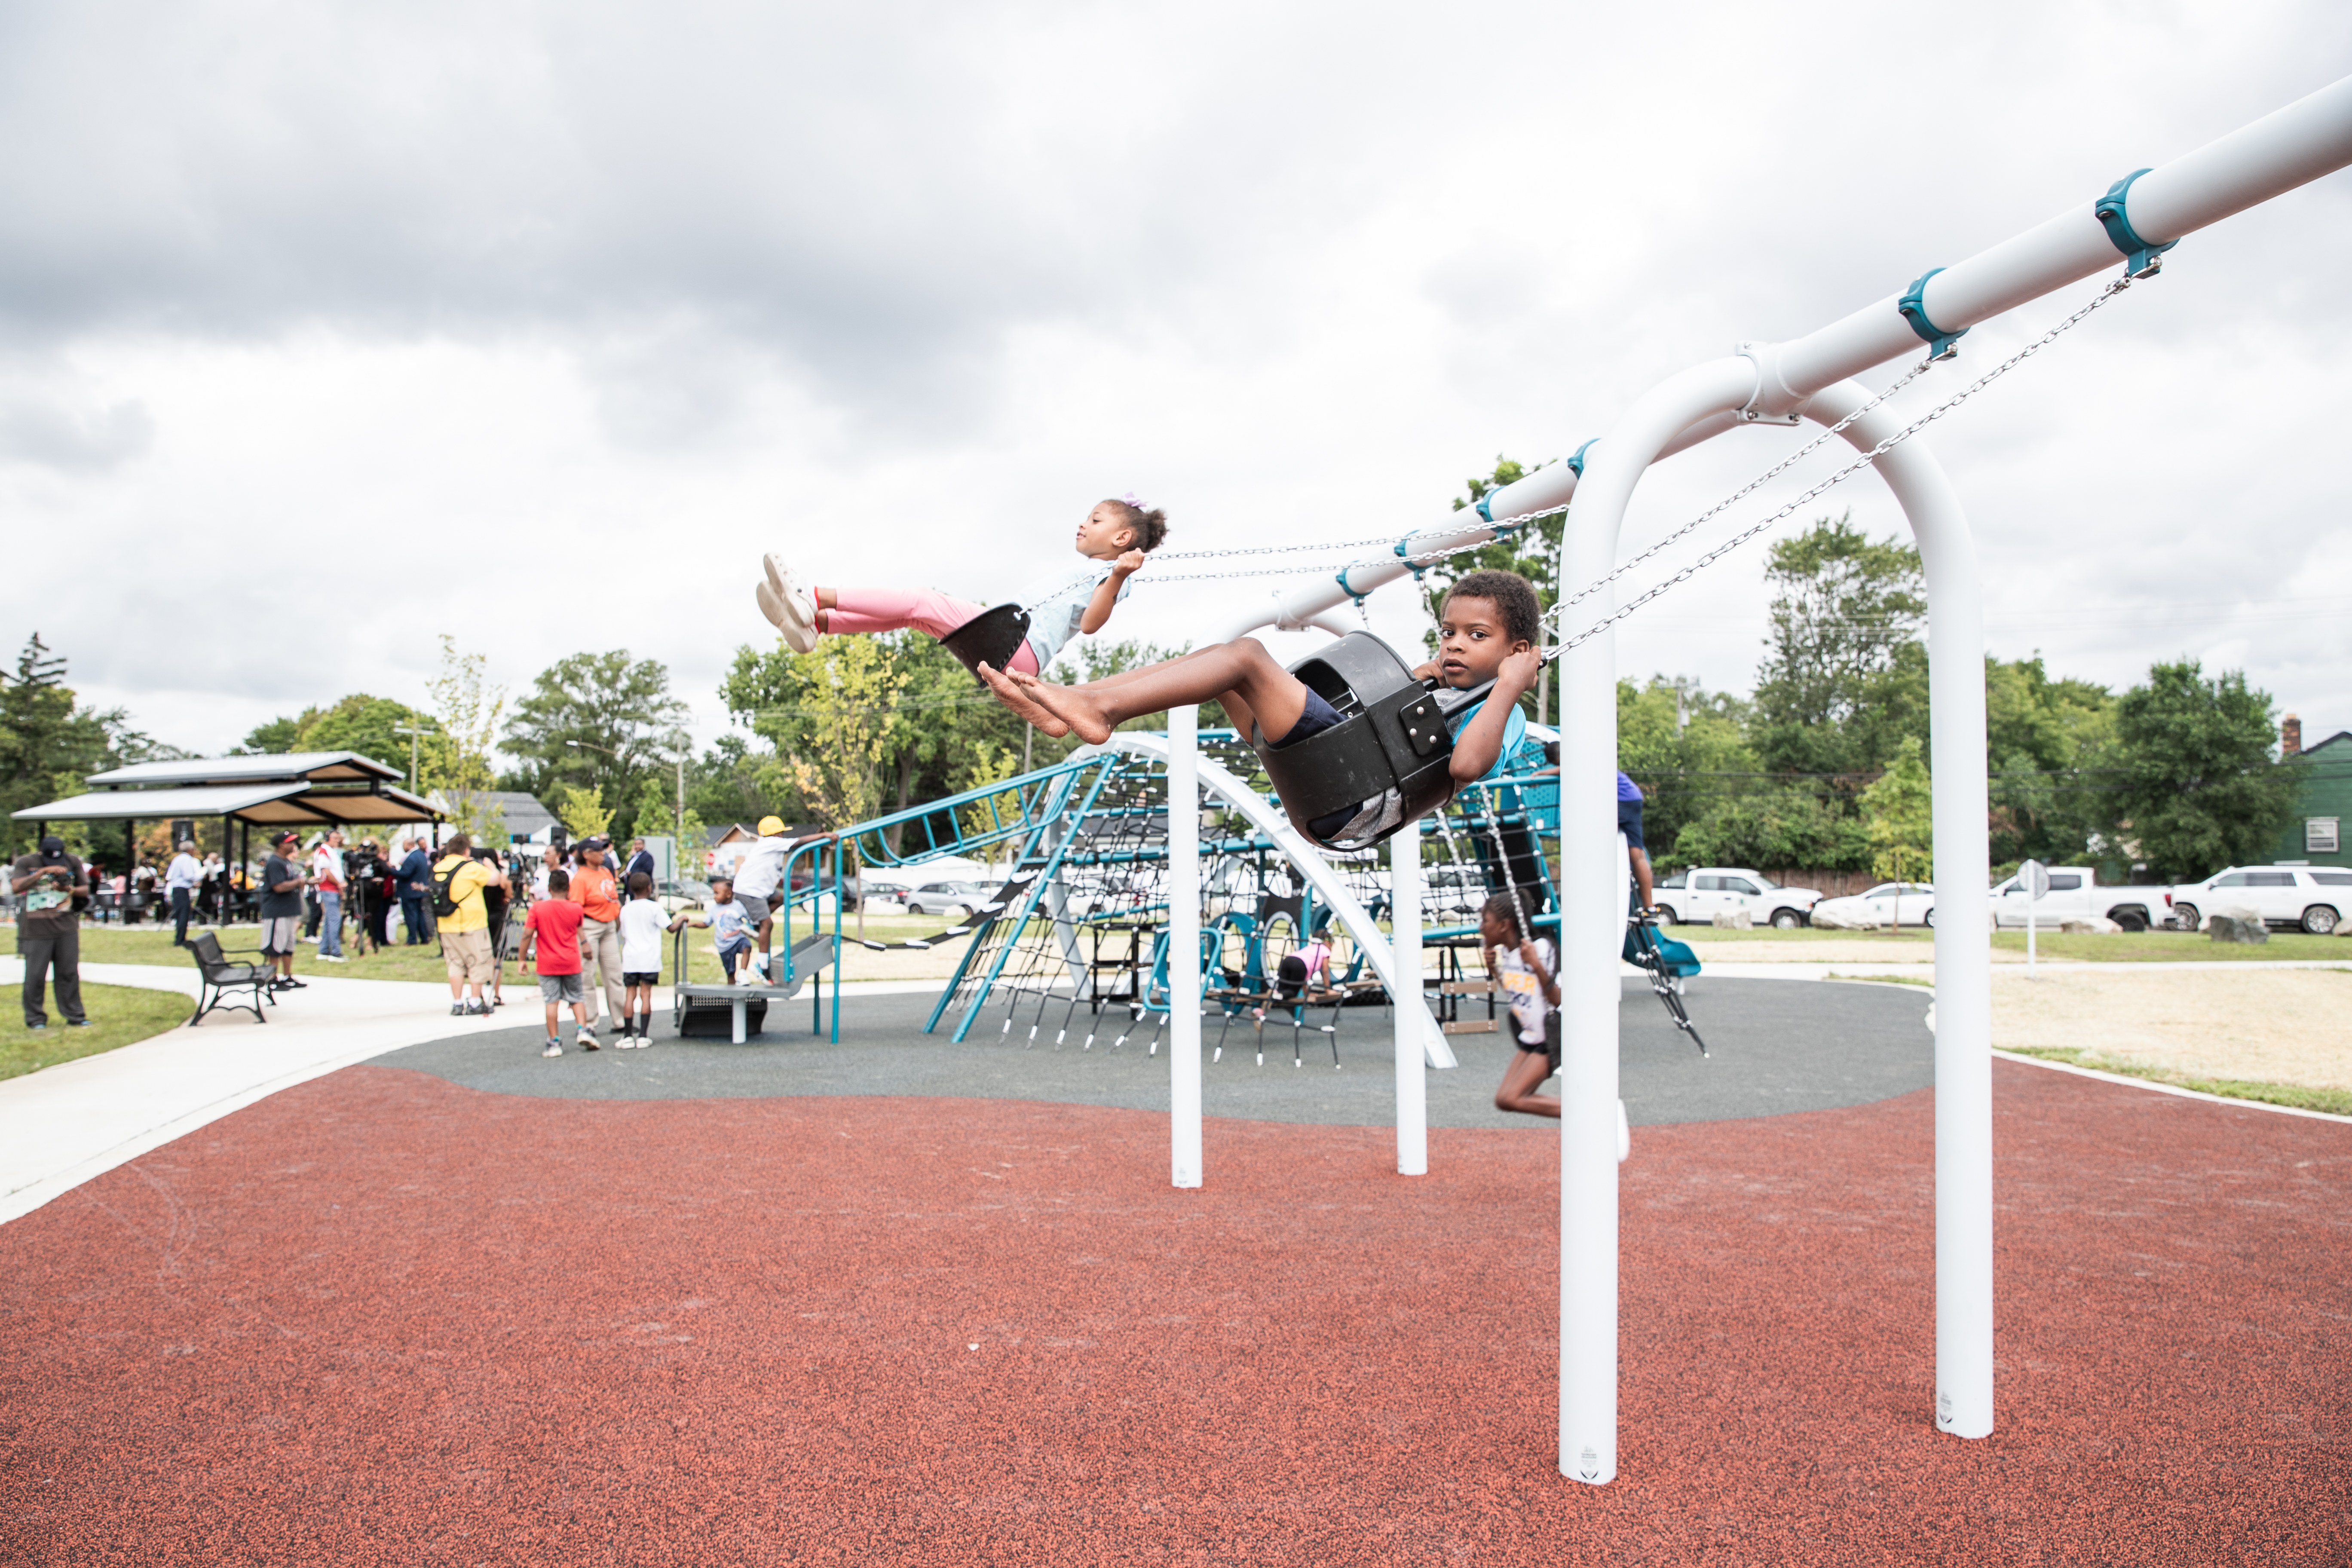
(2034, 878)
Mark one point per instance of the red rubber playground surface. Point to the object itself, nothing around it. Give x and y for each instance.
(384, 1319)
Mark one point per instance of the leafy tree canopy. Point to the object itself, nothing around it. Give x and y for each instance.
(599, 721)
(2197, 789)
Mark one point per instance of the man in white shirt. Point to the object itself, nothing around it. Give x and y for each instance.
(180, 879)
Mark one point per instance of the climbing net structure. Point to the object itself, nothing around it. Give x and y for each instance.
(1073, 948)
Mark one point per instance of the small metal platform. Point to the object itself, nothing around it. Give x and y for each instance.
(747, 1006)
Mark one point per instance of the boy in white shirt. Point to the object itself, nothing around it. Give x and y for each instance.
(642, 926)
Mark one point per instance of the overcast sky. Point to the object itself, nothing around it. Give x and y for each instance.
(325, 330)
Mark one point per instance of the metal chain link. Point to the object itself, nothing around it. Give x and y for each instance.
(1855, 467)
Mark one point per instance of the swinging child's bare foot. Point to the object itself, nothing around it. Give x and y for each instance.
(1079, 709)
(1013, 697)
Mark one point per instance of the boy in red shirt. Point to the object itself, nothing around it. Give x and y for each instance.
(552, 928)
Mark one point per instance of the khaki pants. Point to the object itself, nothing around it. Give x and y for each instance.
(600, 953)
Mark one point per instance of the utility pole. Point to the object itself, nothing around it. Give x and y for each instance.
(411, 731)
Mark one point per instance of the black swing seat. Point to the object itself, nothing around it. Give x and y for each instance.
(221, 979)
(990, 638)
(1392, 735)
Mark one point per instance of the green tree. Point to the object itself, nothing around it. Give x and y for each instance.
(1774, 829)
(368, 725)
(581, 811)
(1689, 753)
(49, 743)
(2047, 746)
(2198, 788)
(601, 720)
(455, 759)
(1531, 550)
(274, 739)
(1845, 676)
(1897, 809)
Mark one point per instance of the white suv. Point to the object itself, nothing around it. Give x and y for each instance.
(2314, 897)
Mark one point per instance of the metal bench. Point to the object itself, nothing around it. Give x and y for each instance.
(223, 979)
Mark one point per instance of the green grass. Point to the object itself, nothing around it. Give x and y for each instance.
(2335, 1101)
(119, 1014)
(1915, 936)
(2173, 947)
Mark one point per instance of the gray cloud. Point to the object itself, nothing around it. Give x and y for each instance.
(92, 442)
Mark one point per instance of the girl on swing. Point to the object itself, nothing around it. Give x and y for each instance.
(1115, 536)
(1486, 631)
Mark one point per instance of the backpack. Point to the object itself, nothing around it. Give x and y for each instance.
(444, 904)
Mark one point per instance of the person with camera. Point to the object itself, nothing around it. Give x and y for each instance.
(51, 885)
(415, 876)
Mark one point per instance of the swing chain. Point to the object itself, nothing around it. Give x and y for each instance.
(2113, 289)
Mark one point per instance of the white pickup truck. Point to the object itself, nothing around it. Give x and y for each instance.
(1701, 893)
(2076, 894)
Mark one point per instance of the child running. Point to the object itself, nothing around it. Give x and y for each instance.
(641, 933)
(1116, 536)
(1486, 631)
(553, 927)
(1524, 966)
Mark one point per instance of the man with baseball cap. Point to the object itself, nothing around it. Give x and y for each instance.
(282, 882)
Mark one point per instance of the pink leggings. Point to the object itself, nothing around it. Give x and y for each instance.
(894, 609)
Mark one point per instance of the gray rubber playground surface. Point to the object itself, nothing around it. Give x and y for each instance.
(1777, 1045)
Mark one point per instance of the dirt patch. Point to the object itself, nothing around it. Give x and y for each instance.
(2269, 1025)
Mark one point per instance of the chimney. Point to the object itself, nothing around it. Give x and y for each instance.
(2290, 737)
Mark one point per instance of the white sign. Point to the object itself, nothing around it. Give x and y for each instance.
(2034, 878)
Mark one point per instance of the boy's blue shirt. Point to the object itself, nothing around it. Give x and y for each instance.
(1514, 730)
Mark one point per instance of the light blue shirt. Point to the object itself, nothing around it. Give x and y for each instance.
(1514, 730)
(1057, 605)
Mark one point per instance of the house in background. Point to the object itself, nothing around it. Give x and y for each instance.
(527, 821)
(2322, 800)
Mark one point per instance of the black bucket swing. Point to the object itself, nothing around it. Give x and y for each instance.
(1391, 737)
(990, 638)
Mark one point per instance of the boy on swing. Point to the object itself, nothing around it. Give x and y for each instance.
(1486, 631)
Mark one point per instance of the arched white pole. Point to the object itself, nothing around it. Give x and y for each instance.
(1184, 947)
(1956, 705)
(1412, 1013)
(1592, 917)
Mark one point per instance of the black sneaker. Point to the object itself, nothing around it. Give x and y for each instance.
(77, 1022)
(290, 983)
(456, 1009)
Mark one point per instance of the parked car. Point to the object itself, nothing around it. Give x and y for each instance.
(2076, 894)
(2314, 897)
(1888, 905)
(1702, 892)
(953, 900)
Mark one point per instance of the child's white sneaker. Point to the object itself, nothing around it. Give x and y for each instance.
(781, 601)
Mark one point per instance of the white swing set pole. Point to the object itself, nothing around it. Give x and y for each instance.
(2298, 143)
(1184, 947)
(1412, 1013)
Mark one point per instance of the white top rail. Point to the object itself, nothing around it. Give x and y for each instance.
(2292, 147)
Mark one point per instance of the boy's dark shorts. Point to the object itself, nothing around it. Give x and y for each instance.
(641, 977)
(1629, 823)
(1313, 720)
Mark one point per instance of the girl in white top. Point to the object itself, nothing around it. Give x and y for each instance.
(1114, 537)
(1526, 966)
